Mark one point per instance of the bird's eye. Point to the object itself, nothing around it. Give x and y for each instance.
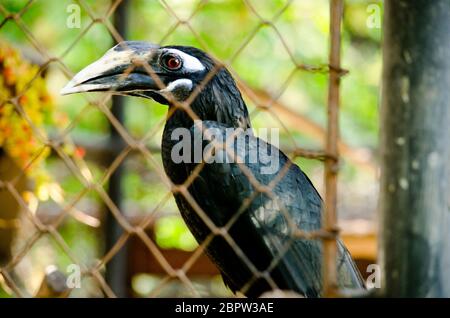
(172, 62)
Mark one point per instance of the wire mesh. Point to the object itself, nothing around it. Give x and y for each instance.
(79, 167)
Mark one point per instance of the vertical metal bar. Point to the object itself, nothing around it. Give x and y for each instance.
(415, 150)
(116, 271)
(331, 163)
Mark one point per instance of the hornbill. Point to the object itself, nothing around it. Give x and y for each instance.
(263, 224)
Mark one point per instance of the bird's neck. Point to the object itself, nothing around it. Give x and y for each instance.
(218, 102)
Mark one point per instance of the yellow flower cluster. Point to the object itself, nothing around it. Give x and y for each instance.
(25, 106)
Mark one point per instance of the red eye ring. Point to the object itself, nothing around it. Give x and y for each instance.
(172, 62)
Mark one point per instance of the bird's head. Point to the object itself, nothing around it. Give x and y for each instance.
(168, 75)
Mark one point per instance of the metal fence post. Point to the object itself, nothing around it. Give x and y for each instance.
(415, 149)
(331, 161)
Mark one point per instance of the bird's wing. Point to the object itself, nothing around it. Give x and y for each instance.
(273, 214)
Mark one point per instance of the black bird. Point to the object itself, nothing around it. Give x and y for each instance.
(263, 222)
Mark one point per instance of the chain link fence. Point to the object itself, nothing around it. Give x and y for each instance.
(106, 183)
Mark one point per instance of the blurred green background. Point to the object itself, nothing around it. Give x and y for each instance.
(265, 64)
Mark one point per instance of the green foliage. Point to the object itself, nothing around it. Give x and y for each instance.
(171, 232)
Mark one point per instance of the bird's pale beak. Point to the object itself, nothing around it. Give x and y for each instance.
(124, 68)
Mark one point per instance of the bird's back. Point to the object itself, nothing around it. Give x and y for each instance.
(273, 199)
